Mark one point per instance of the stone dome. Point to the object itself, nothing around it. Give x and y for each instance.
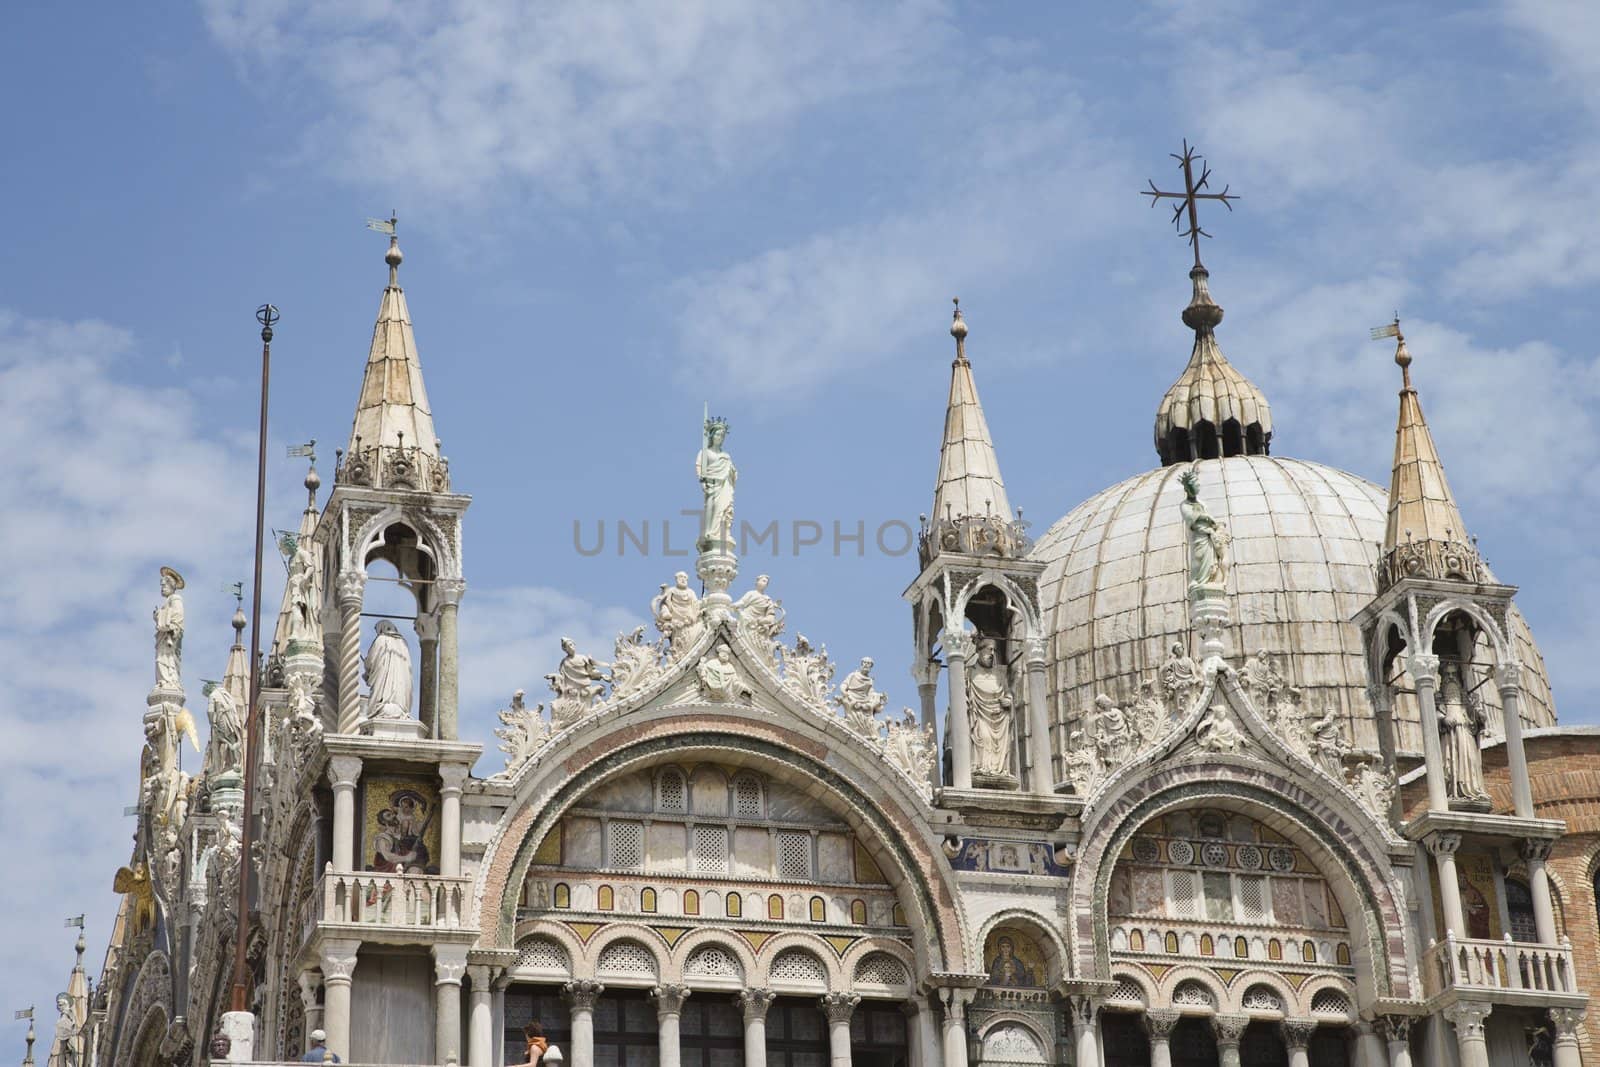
(1113, 594)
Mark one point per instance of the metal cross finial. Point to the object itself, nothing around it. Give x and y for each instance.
(1187, 199)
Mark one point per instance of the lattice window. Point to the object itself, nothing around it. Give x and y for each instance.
(1261, 998)
(794, 855)
(671, 794)
(626, 958)
(713, 961)
(542, 954)
(1185, 888)
(1330, 1002)
(747, 798)
(711, 849)
(1253, 906)
(1193, 994)
(627, 844)
(880, 968)
(797, 965)
(1127, 992)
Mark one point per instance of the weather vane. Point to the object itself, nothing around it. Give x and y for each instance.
(1187, 199)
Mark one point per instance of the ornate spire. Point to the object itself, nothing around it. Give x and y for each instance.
(970, 510)
(392, 444)
(1425, 536)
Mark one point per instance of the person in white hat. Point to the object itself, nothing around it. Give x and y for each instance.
(319, 1053)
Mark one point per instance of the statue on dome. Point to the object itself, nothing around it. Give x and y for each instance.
(169, 631)
(1180, 680)
(719, 677)
(989, 710)
(1461, 725)
(677, 613)
(1113, 740)
(304, 623)
(1208, 541)
(387, 671)
(577, 683)
(860, 701)
(717, 475)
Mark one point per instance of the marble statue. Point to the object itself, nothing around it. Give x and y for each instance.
(860, 701)
(169, 631)
(66, 1033)
(304, 722)
(304, 622)
(1326, 743)
(227, 730)
(717, 475)
(1289, 719)
(1113, 741)
(1375, 785)
(989, 711)
(909, 747)
(388, 674)
(1083, 768)
(162, 785)
(677, 613)
(1461, 724)
(1217, 733)
(719, 677)
(523, 731)
(760, 615)
(1265, 683)
(578, 682)
(1208, 540)
(1150, 716)
(1180, 680)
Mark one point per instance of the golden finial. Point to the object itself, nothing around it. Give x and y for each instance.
(958, 330)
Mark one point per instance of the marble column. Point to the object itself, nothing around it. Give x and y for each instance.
(1368, 1047)
(449, 591)
(451, 776)
(1467, 1016)
(352, 588)
(927, 678)
(1443, 847)
(1535, 852)
(449, 966)
(480, 1017)
(1040, 750)
(338, 968)
(581, 995)
(343, 773)
(1396, 1032)
(499, 1027)
(1085, 1029)
(838, 1007)
(955, 1026)
(918, 1030)
(1229, 1031)
(1297, 1039)
(1159, 1025)
(310, 986)
(1424, 670)
(1566, 1022)
(1509, 681)
(754, 1003)
(957, 645)
(427, 627)
(669, 1013)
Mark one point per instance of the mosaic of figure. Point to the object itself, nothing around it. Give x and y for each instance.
(169, 631)
(401, 830)
(989, 710)
(388, 674)
(717, 475)
(1013, 960)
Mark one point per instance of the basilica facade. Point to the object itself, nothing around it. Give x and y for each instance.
(1231, 765)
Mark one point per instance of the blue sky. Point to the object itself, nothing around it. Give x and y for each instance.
(613, 213)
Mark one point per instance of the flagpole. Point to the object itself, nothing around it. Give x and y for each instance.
(266, 315)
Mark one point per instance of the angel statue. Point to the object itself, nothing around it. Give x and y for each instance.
(717, 474)
(1208, 540)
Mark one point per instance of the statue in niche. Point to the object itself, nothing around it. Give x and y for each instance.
(1208, 540)
(169, 631)
(719, 677)
(578, 682)
(860, 701)
(1150, 717)
(1217, 733)
(989, 712)
(1113, 740)
(717, 475)
(305, 623)
(227, 729)
(1180, 680)
(1461, 724)
(387, 671)
(760, 615)
(677, 613)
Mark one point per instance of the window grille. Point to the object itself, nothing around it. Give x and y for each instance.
(1330, 1002)
(627, 844)
(625, 958)
(1193, 994)
(1261, 998)
(798, 965)
(794, 855)
(671, 794)
(1253, 905)
(711, 849)
(880, 968)
(542, 954)
(1185, 894)
(713, 961)
(747, 798)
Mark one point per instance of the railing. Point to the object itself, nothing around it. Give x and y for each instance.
(405, 900)
(1477, 964)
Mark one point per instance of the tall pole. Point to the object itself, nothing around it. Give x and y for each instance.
(266, 315)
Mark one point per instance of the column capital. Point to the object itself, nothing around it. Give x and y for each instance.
(449, 964)
(451, 777)
(1567, 1021)
(669, 999)
(755, 1003)
(427, 626)
(581, 993)
(957, 644)
(1297, 1032)
(310, 982)
(344, 771)
(449, 591)
(1468, 1017)
(1444, 844)
(1535, 849)
(955, 1002)
(1036, 653)
(1081, 1009)
(339, 960)
(1229, 1029)
(1159, 1024)
(1508, 676)
(925, 672)
(1394, 1029)
(1424, 668)
(838, 1006)
(482, 974)
(350, 587)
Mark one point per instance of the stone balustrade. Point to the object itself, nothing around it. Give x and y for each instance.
(409, 901)
(1507, 965)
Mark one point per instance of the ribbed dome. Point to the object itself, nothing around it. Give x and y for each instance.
(1305, 542)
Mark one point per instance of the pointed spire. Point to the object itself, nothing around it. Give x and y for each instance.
(971, 512)
(1211, 410)
(392, 442)
(1425, 536)
(236, 676)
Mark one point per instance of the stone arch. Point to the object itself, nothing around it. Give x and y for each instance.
(1149, 989)
(557, 933)
(1018, 602)
(1321, 984)
(1249, 979)
(1004, 1035)
(147, 1015)
(652, 942)
(1055, 950)
(804, 941)
(1486, 623)
(869, 946)
(887, 818)
(1355, 866)
(1193, 974)
(733, 945)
